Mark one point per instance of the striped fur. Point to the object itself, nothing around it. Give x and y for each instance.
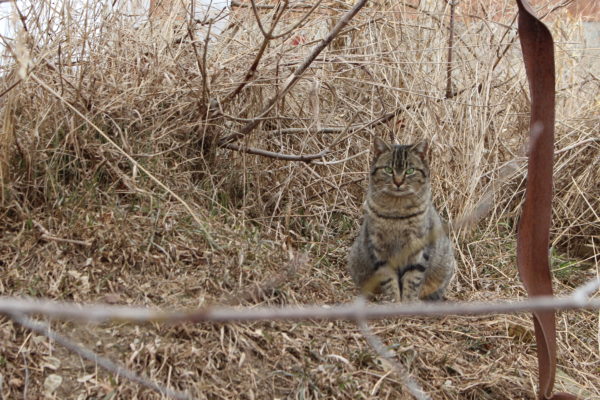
(401, 229)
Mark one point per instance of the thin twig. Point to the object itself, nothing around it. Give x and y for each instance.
(299, 23)
(278, 156)
(342, 160)
(413, 386)
(566, 3)
(292, 131)
(26, 383)
(64, 240)
(119, 370)
(574, 145)
(201, 63)
(46, 235)
(240, 4)
(11, 87)
(279, 10)
(267, 37)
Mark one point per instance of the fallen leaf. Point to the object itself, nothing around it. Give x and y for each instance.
(51, 383)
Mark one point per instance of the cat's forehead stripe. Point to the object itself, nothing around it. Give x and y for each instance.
(399, 157)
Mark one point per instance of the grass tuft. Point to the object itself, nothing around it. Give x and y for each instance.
(114, 189)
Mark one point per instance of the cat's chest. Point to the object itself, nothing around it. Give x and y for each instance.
(388, 237)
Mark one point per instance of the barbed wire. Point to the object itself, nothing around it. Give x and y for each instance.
(98, 313)
(19, 310)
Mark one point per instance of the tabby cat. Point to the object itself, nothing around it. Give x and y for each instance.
(402, 247)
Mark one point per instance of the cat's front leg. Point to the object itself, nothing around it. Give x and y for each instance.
(388, 283)
(411, 279)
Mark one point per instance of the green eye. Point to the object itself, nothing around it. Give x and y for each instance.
(410, 171)
(388, 170)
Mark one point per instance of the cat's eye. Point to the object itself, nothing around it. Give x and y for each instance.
(388, 170)
(410, 171)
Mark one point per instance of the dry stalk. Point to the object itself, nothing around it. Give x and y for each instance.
(201, 224)
(7, 141)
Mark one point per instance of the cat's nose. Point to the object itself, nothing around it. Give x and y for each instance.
(398, 180)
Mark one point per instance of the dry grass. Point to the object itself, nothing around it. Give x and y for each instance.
(148, 87)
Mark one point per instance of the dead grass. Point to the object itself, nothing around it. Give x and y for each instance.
(149, 87)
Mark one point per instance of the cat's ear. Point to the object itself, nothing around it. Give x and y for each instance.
(422, 149)
(379, 147)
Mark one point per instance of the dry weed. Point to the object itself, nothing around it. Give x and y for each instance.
(80, 221)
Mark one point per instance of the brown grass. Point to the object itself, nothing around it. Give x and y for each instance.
(148, 87)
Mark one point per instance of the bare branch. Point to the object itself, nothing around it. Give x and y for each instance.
(11, 87)
(201, 62)
(268, 36)
(577, 144)
(343, 160)
(557, 7)
(295, 76)
(291, 131)
(239, 4)
(278, 156)
(299, 23)
(252, 70)
(43, 329)
(279, 10)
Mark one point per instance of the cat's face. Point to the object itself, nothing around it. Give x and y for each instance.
(399, 171)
